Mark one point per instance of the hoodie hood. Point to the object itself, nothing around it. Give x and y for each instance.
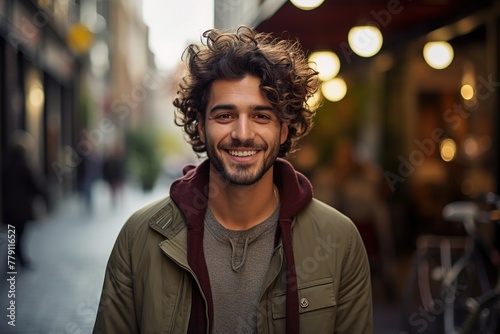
(191, 192)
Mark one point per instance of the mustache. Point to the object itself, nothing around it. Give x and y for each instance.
(238, 144)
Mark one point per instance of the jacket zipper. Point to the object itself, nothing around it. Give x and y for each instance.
(188, 269)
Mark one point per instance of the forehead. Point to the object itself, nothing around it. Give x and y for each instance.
(237, 90)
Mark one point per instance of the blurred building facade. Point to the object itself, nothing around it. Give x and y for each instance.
(232, 13)
(430, 144)
(75, 75)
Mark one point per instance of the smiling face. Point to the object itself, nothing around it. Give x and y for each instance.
(241, 131)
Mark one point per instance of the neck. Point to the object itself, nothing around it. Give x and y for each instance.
(242, 207)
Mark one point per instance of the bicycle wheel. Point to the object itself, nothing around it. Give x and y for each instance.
(436, 282)
(485, 319)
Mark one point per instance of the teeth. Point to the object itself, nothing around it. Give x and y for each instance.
(242, 153)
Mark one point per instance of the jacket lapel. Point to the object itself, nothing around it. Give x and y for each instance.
(169, 222)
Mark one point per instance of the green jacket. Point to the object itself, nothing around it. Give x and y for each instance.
(149, 283)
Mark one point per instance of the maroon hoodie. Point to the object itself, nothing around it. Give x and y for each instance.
(190, 193)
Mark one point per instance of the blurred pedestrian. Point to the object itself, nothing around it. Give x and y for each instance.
(113, 172)
(22, 188)
(89, 170)
(240, 245)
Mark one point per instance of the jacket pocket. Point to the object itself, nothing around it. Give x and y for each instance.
(313, 296)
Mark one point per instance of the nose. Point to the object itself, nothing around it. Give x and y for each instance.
(243, 129)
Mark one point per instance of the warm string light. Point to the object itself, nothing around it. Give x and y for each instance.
(306, 4)
(365, 41)
(327, 63)
(438, 54)
(334, 90)
(467, 91)
(448, 149)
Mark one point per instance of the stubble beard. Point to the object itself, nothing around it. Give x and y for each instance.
(242, 174)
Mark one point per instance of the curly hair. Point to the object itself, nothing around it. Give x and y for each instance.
(287, 80)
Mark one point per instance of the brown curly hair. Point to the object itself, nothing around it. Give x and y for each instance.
(287, 80)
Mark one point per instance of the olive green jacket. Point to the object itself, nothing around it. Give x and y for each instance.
(148, 283)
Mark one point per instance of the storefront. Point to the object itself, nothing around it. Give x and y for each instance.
(431, 132)
(38, 86)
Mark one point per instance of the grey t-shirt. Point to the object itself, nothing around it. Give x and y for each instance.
(237, 263)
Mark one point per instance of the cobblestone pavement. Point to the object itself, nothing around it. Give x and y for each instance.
(68, 249)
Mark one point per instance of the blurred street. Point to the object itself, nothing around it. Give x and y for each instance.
(69, 249)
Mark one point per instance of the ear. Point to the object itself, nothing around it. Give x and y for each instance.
(284, 132)
(201, 128)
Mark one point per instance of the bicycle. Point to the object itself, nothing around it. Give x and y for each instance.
(484, 311)
(454, 273)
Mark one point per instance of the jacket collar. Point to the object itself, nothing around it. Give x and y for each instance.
(168, 220)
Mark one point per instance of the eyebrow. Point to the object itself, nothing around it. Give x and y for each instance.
(257, 107)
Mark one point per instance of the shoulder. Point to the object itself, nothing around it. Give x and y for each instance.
(149, 211)
(319, 222)
(146, 218)
(324, 216)
(320, 227)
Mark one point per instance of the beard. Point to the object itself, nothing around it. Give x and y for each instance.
(242, 174)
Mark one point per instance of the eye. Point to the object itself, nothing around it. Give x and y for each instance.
(222, 117)
(263, 117)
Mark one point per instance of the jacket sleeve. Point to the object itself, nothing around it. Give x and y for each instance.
(354, 304)
(116, 312)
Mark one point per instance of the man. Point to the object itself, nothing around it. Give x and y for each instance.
(240, 245)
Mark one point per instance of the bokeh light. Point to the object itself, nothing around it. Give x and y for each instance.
(467, 92)
(365, 41)
(334, 90)
(327, 63)
(448, 149)
(306, 4)
(315, 100)
(438, 55)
